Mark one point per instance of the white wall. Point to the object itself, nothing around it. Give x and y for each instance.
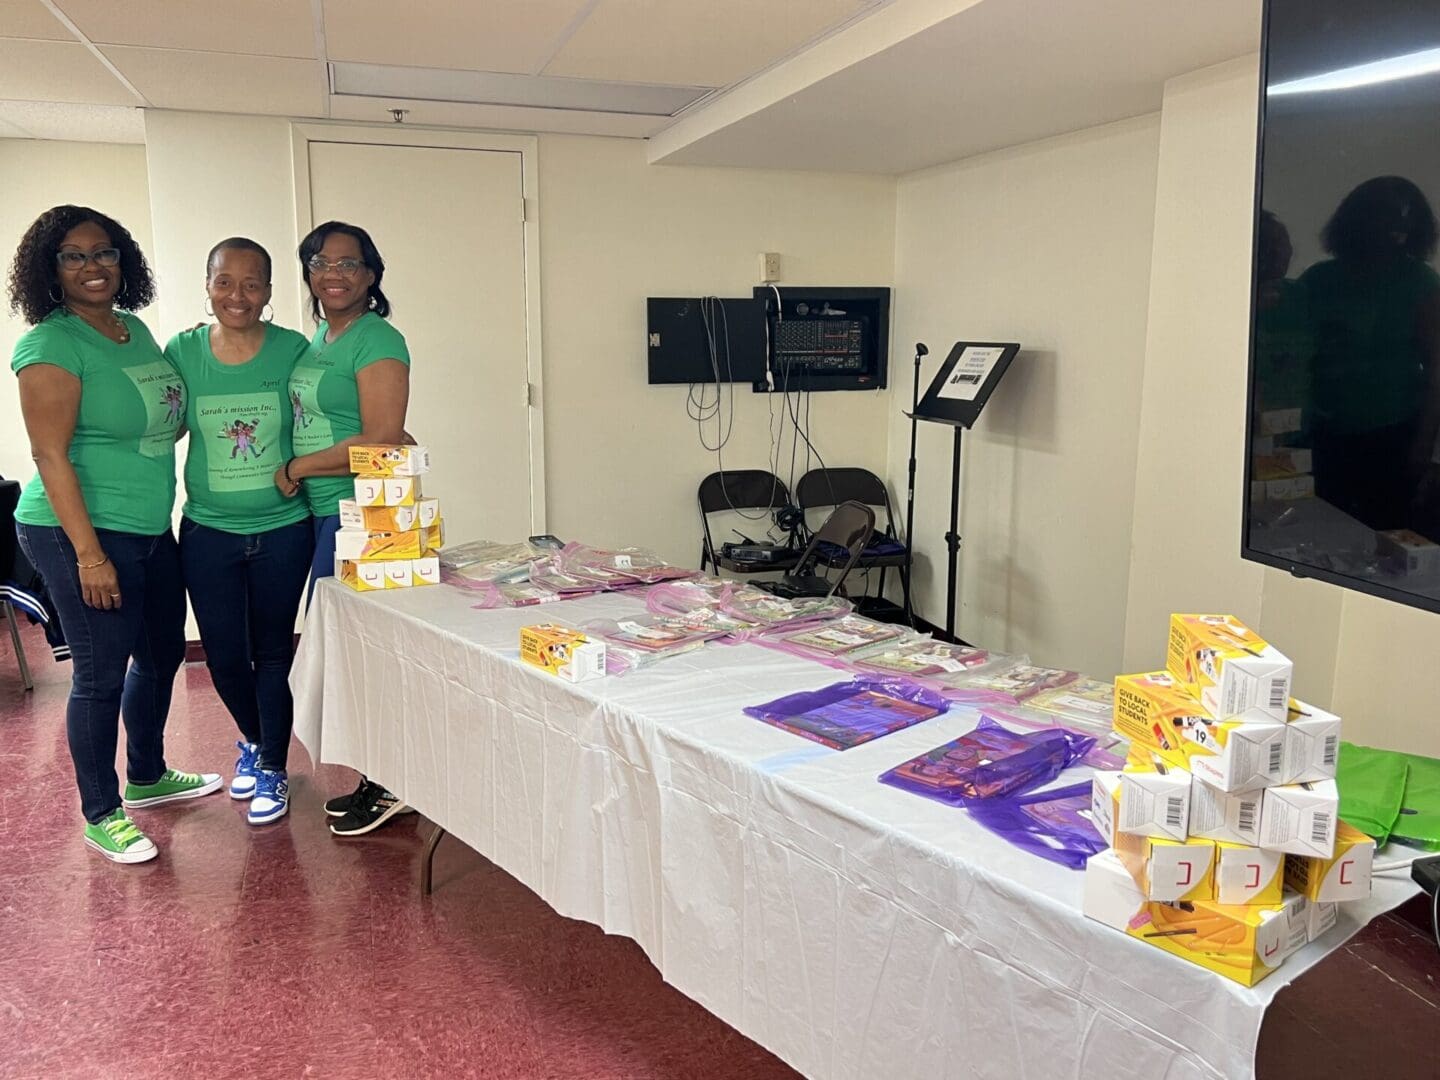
(35, 176)
(1047, 244)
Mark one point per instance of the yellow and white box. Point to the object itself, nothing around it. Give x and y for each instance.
(1154, 712)
(427, 512)
(365, 546)
(398, 574)
(1235, 673)
(1280, 462)
(1244, 942)
(1229, 816)
(389, 460)
(362, 577)
(1312, 743)
(1321, 918)
(562, 651)
(1407, 552)
(426, 570)
(432, 537)
(378, 518)
(1248, 875)
(1343, 877)
(1300, 819)
(1283, 489)
(400, 491)
(1169, 870)
(1148, 798)
(369, 491)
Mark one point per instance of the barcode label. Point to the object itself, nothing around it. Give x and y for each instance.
(1332, 744)
(1247, 817)
(1277, 693)
(1174, 808)
(1320, 829)
(1276, 749)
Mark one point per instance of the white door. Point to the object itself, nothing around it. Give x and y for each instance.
(450, 225)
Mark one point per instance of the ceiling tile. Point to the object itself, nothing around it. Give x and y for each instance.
(223, 82)
(30, 19)
(493, 35)
(694, 41)
(495, 117)
(73, 123)
(257, 27)
(57, 71)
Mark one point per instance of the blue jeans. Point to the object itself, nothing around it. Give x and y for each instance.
(324, 563)
(245, 590)
(145, 635)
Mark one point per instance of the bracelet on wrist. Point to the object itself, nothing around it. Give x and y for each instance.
(92, 566)
(288, 477)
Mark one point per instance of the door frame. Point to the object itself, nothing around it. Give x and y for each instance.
(528, 147)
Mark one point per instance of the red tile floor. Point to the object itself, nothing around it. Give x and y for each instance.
(284, 952)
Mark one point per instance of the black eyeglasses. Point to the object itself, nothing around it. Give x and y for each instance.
(318, 264)
(76, 260)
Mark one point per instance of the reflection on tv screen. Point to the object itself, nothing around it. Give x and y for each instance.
(1343, 469)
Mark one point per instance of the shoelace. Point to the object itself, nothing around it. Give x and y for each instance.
(177, 777)
(271, 785)
(122, 831)
(248, 755)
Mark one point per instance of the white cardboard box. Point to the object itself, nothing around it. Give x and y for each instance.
(1312, 744)
(1319, 919)
(1248, 875)
(1230, 816)
(1300, 819)
(1111, 895)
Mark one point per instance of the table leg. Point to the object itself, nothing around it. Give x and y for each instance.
(427, 860)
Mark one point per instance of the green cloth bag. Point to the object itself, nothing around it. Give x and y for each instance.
(1419, 820)
(1372, 788)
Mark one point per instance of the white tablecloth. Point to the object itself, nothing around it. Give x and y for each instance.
(853, 929)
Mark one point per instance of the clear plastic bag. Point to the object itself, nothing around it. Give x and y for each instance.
(845, 636)
(1053, 824)
(999, 685)
(990, 762)
(848, 714)
(925, 658)
(1084, 703)
(487, 562)
(776, 613)
(631, 565)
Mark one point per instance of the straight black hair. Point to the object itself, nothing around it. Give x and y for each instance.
(369, 255)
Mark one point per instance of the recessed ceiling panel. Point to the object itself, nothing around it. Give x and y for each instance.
(223, 82)
(694, 41)
(72, 123)
(259, 27)
(474, 35)
(57, 71)
(494, 117)
(30, 19)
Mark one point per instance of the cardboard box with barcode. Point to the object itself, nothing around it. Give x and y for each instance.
(420, 515)
(1312, 743)
(1321, 918)
(1155, 713)
(1406, 552)
(1300, 819)
(1343, 877)
(383, 461)
(1147, 798)
(1169, 870)
(1235, 673)
(1248, 875)
(362, 577)
(562, 651)
(1229, 816)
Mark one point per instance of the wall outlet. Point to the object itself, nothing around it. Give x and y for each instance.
(769, 267)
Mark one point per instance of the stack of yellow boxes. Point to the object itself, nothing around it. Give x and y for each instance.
(389, 532)
(1226, 844)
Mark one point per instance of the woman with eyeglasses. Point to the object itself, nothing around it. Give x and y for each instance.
(103, 408)
(245, 548)
(351, 389)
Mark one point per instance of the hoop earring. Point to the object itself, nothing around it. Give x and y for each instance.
(124, 287)
(374, 303)
(209, 308)
(270, 309)
(56, 299)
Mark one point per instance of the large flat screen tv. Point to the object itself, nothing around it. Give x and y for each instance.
(1343, 467)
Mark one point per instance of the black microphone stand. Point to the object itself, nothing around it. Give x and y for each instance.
(920, 352)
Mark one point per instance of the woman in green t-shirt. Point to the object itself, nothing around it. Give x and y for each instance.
(350, 389)
(103, 407)
(245, 548)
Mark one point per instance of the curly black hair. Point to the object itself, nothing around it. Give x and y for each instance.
(1365, 220)
(34, 274)
(369, 255)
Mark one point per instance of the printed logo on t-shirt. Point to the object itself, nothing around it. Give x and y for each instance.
(311, 430)
(240, 433)
(163, 395)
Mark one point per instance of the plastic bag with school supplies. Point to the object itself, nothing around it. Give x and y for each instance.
(1004, 684)
(847, 714)
(775, 613)
(486, 562)
(835, 640)
(629, 564)
(1053, 824)
(990, 762)
(924, 658)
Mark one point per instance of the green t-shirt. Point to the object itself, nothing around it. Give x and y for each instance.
(239, 417)
(1370, 365)
(326, 398)
(132, 403)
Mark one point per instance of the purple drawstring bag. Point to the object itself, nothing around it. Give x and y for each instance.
(990, 762)
(1053, 824)
(847, 714)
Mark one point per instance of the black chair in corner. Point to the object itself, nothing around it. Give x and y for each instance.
(740, 490)
(849, 526)
(819, 488)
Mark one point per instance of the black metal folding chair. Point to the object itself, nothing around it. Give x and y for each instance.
(739, 490)
(819, 488)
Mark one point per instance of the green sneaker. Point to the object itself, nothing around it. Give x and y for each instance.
(172, 787)
(119, 840)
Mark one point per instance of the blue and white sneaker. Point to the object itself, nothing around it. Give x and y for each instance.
(246, 768)
(272, 797)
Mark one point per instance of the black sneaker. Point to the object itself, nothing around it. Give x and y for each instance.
(375, 808)
(343, 804)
